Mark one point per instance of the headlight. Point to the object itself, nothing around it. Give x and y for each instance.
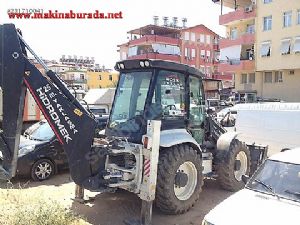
(26, 149)
(205, 222)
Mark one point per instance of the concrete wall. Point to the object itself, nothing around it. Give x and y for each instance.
(93, 80)
(288, 90)
(276, 61)
(257, 86)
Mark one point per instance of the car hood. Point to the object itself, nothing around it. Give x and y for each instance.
(248, 207)
(26, 141)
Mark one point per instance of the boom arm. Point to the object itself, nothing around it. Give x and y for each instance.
(73, 126)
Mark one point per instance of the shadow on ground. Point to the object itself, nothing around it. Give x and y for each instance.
(23, 183)
(114, 208)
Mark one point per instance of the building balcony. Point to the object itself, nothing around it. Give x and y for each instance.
(155, 39)
(76, 81)
(245, 39)
(237, 65)
(222, 76)
(175, 58)
(238, 15)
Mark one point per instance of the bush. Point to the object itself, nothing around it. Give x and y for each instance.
(20, 207)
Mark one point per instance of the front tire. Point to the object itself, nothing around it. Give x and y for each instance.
(179, 179)
(42, 169)
(232, 165)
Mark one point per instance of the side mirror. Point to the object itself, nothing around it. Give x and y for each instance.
(245, 178)
(210, 111)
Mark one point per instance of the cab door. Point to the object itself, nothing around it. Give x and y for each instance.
(196, 109)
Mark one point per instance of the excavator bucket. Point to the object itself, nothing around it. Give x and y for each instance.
(73, 126)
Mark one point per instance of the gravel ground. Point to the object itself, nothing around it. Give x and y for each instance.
(114, 208)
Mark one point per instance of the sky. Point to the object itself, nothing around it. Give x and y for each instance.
(51, 38)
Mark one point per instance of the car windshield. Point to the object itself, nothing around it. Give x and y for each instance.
(277, 178)
(130, 100)
(42, 133)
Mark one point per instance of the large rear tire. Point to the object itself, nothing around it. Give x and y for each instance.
(232, 165)
(179, 179)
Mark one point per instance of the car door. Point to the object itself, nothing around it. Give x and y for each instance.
(60, 155)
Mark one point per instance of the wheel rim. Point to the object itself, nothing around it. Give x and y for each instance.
(184, 193)
(43, 170)
(242, 157)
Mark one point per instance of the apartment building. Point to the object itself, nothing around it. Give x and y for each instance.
(278, 49)
(237, 56)
(264, 37)
(196, 46)
(152, 42)
(200, 48)
(75, 78)
(102, 78)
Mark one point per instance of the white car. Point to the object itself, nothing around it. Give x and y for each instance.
(270, 197)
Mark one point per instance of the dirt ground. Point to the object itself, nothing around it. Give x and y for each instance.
(114, 208)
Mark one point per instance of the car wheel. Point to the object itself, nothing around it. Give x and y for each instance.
(42, 169)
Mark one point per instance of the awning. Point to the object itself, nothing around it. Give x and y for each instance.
(297, 45)
(285, 46)
(265, 49)
(132, 51)
(231, 53)
(166, 49)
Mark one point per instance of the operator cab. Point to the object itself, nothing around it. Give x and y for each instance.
(154, 89)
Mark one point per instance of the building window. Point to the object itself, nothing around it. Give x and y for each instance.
(297, 45)
(265, 49)
(202, 69)
(193, 37)
(267, 23)
(250, 29)
(287, 19)
(202, 38)
(186, 36)
(244, 79)
(298, 16)
(193, 53)
(267, 1)
(186, 52)
(208, 70)
(208, 39)
(268, 77)
(233, 33)
(285, 47)
(278, 77)
(100, 77)
(202, 55)
(252, 78)
(208, 53)
(81, 76)
(110, 77)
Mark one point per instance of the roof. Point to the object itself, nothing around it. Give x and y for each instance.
(161, 64)
(103, 96)
(203, 26)
(158, 30)
(289, 156)
(274, 106)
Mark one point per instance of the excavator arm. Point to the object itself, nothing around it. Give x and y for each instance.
(73, 126)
